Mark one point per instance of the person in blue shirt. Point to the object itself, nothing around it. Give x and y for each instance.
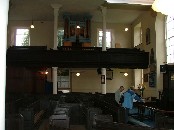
(129, 97)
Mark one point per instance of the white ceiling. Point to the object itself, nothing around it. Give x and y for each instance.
(144, 2)
(41, 10)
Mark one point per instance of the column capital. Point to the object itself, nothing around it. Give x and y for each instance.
(54, 68)
(103, 9)
(56, 6)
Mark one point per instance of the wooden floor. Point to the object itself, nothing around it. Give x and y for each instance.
(45, 126)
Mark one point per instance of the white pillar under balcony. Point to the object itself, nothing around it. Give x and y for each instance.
(4, 6)
(54, 69)
(103, 70)
(103, 84)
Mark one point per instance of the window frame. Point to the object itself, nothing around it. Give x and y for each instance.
(169, 46)
(138, 35)
(15, 34)
(61, 80)
(107, 30)
(60, 36)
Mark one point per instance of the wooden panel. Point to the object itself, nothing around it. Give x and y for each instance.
(117, 45)
(86, 44)
(80, 58)
(67, 43)
(22, 80)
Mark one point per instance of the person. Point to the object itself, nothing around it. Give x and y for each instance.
(129, 97)
(118, 94)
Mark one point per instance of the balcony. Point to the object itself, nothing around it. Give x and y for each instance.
(77, 57)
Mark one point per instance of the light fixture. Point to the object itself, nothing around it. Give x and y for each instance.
(45, 72)
(125, 74)
(163, 6)
(77, 74)
(126, 29)
(78, 26)
(32, 25)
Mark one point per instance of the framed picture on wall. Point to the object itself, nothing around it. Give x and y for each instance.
(102, 79)
(152, 79)
(145, 77)
(109, 74)
(147, 36)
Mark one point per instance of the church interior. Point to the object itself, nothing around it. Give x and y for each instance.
(63, 71)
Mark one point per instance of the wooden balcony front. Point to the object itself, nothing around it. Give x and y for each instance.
(77, 57)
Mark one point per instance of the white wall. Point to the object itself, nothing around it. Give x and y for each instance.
(156, 24)
(160, 48)
(4, 6)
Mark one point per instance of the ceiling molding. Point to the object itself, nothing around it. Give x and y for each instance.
(128, 6)
(141, 2)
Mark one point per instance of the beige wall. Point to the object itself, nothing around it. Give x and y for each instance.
(156, 24)
(89, 81)
(160, 48)
(118, 34)
(41, 35)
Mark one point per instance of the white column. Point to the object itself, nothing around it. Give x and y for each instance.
(103, 71)
(56, 10)
(103, 85)
(104, 10)
(54, 69)
(4, 6)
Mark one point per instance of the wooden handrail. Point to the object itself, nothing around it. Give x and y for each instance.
(157, 109)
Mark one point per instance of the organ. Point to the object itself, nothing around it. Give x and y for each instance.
(77, 30)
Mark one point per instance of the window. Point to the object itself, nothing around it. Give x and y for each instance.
(60, 35)
(137, 35)
(138, 77)
(63, 79)
(108, 38)
(170, 39)
(22, 37)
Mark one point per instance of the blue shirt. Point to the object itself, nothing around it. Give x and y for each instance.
(129, 95)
